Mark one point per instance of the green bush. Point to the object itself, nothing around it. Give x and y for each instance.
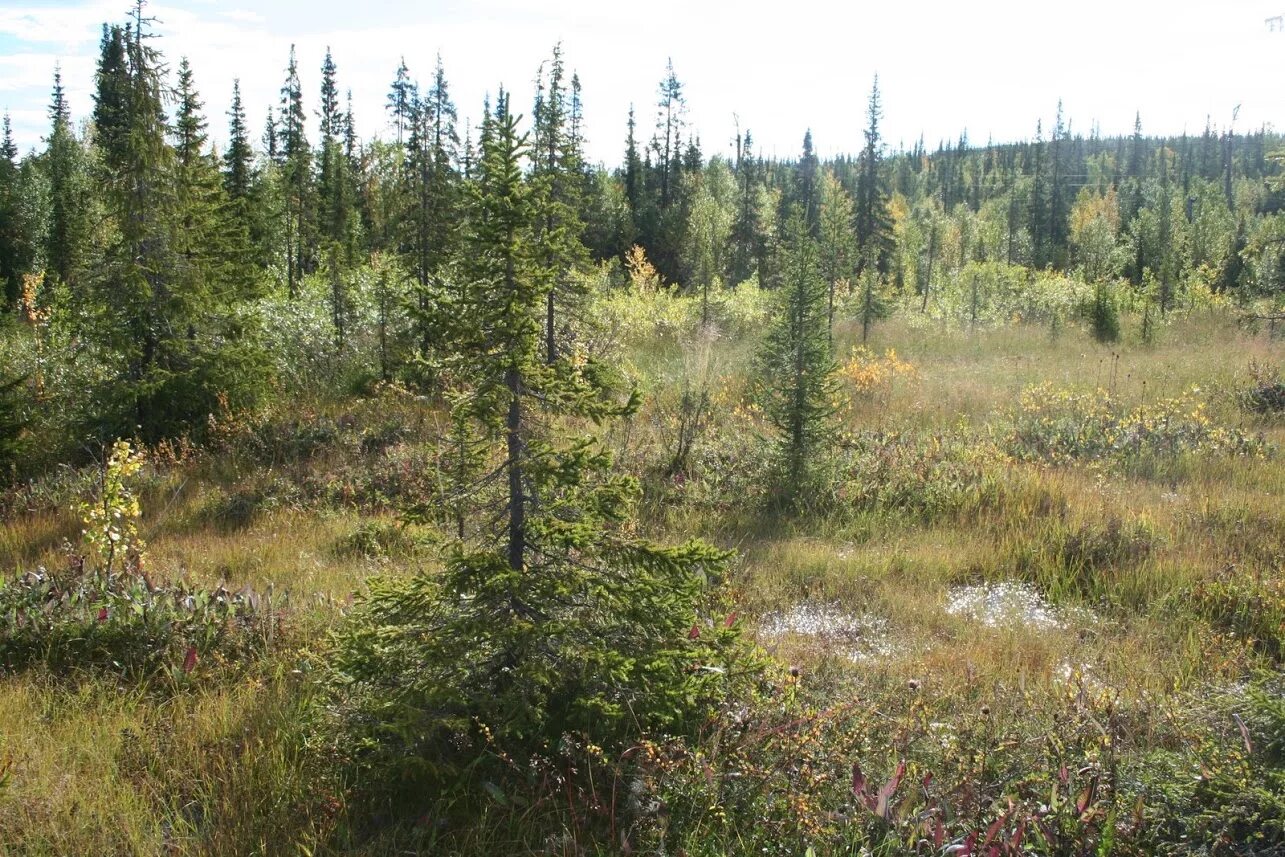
(1236, 803)
(1058, 426)
(1250, 606)
(1104, 317)
(123, 624)
(425, 696)
(12, 422)
(382, 539)
(926, 475)
(1265, 393)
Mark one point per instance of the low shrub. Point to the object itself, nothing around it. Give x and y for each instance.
(382, 539)
(430, 709)
(1235, 802)
(1058, 426)
(868, 374)
(1265, 392)
(926, 475)
(125, 625)
(1249, 606)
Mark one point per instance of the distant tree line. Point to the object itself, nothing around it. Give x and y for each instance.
(153, 249)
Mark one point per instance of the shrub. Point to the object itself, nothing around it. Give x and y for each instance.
(921, 474)
(12, 421)
(1057, 426)
(123, 624)
(868, 374)
(1265, 393)
(1236, 805)
(1104, 317)
(1250, 606)
(420, 696)
(379, 539)
(111, 516)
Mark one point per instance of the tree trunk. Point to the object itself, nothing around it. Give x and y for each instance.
(517, 500)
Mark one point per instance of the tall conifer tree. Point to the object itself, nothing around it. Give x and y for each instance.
(873, 221)
(12, 240)
(430, 192)
(557, 180)
(296, 175)
(65, 165)
(550, 617)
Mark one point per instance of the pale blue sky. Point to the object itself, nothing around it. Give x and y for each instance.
(992, 66)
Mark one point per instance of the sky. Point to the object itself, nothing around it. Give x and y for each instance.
(990, 67)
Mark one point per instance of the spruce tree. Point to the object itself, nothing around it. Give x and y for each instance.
(161, 282)
(13, 421)
(296, 176)
(210, 239)
(238, 158)
(671, 119)
(1131, 195)
(663, 216)
(1059, 205)
(747, 240)
(633, 168)
(270, 138)
(333, 189)
(873, 222)
(1168, 266)
(556, 178)
(144, 312)
(12, 241)
(334, 197)
(401, 99)
(112, 99)
(550, 618)
(796, 367)
(1038, 202)
(65, 166)
(806, 191)
(243, 189)
(430, 191)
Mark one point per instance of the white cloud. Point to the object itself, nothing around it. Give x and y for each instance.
(68, 27)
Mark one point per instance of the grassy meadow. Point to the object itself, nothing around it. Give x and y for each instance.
(1037, 606)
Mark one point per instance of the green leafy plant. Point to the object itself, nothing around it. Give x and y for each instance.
(1265, 393)
(110, 517)
(1058, 426)
(13, 421)
(124, 624)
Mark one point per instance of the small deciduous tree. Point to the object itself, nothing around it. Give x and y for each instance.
(110, 517)
(837, 240)
(709, 226)
(1095, 223)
